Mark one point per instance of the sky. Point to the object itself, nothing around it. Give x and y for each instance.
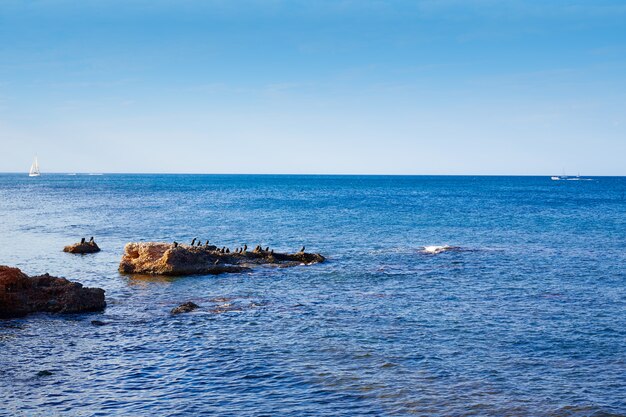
(479, 87)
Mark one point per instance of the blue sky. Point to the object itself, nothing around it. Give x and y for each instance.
(372, 87)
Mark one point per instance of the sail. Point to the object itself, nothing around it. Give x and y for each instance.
(34, 168)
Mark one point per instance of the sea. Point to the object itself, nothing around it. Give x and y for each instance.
(523, 315)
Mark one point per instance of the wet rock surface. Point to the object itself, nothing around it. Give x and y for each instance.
(83, 247)
(175, 259)
(185, 308)
(219, 305)
(21, 295)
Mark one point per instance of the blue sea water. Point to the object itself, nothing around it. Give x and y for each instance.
(527, 319)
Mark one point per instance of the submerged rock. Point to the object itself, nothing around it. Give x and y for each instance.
(82, 247)
(21, 294)
(185, 308)
(176, 259)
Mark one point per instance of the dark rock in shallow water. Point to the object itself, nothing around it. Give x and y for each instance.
(82, 247)
(185, 308)
(45, 372)
(21, 294)
(167, 259)
(98, 323)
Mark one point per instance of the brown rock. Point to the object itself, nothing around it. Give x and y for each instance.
(21, 295)
(167, 259)
(82, 247)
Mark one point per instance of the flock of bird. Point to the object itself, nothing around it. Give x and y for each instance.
(243, 249)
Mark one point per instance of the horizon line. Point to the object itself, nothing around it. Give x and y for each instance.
(96, 173)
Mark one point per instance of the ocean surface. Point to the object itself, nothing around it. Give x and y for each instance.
(527, 318)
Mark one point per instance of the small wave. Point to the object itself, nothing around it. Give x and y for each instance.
(433, 250)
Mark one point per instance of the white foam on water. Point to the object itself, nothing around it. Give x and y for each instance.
(438, 249)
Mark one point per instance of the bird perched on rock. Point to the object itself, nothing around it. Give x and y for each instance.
(206, 243)
(175, 244)
(245, 248)
(267, 249)
(193, 241)
(302, 250)
(199, 243)
(82, 240)
(91, 239)
(227, 250)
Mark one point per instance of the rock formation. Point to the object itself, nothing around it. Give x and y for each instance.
(21, 295)
(82, 247)
(187, 307)
(168, 259)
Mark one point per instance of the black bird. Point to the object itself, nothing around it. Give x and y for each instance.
(227, 250)
(82, 240)
(175, 244)
(199, 243)
(91, 240)
(245, 248)
(267, 249)
(272, 252)
(193, 241)
(302, 250)
(206, 243)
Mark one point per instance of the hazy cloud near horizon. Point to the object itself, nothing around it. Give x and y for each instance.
(404, 87)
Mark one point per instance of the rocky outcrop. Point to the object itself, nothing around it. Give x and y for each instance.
(187, 307)
(83, 247)
(21, 294)
(174, 259)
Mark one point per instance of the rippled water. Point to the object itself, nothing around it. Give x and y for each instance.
(527, 318)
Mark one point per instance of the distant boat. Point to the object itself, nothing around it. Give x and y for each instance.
(34, 169)
(559, 177)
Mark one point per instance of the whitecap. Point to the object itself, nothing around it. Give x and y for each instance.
(433, 250)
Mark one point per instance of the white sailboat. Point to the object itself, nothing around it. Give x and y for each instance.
(34, 169)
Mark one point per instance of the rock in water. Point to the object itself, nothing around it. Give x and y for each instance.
(83, 247)
(185, 308)
(164, 259)
(21, 295)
